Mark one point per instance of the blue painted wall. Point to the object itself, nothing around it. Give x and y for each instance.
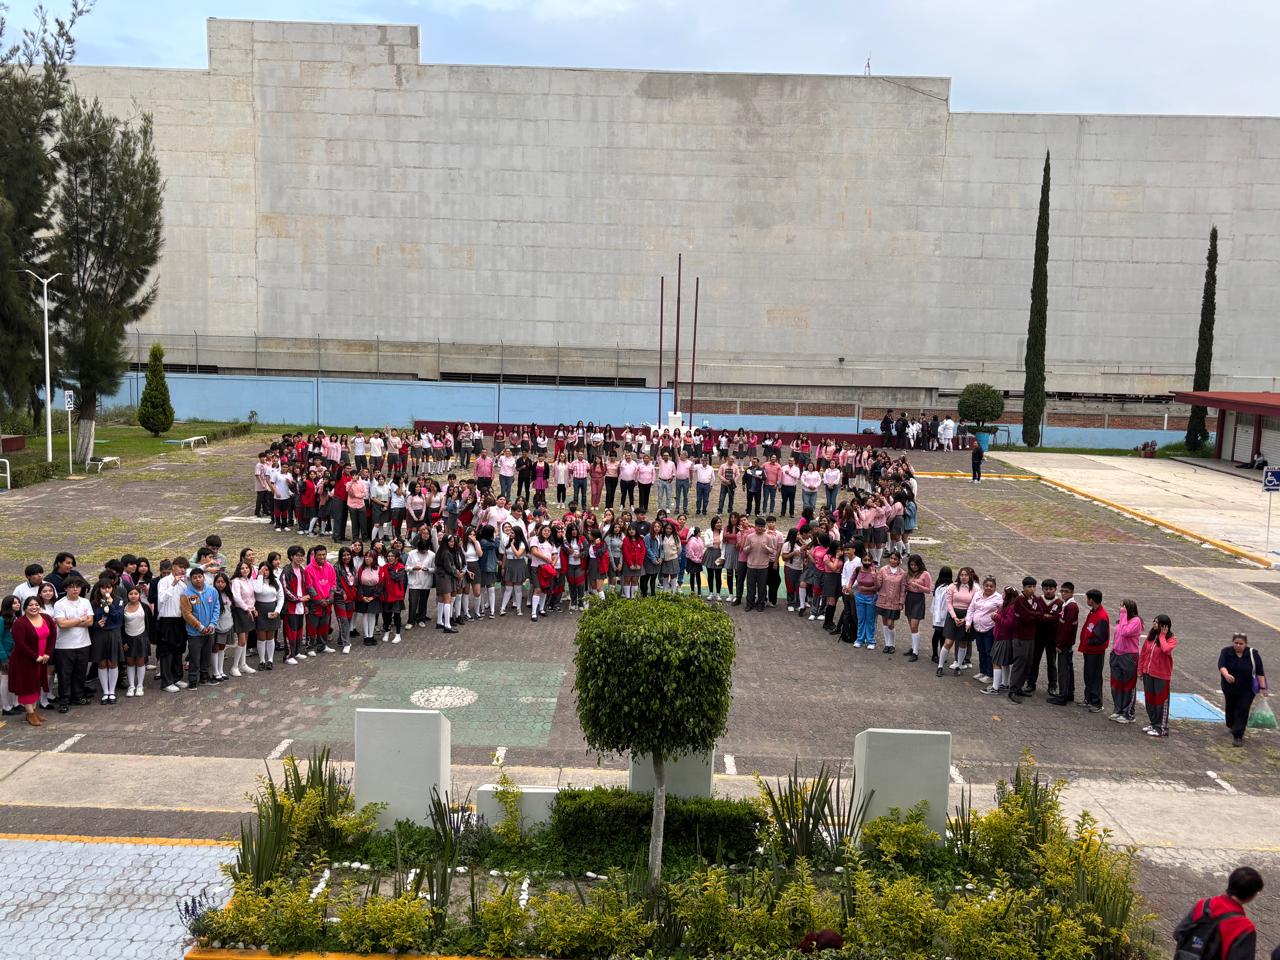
(375, 403)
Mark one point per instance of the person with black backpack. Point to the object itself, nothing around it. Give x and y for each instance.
(1216, 928)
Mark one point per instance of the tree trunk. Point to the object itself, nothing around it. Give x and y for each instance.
(659, 820)
(88, 422)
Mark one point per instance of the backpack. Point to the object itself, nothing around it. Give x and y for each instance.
(848, 624)
(1203, 933)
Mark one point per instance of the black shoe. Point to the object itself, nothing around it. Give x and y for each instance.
(450, 629)
(63, 708)
(270, 665)
(1027, 692)
(912, 657)
(1014, 698)
(1056, 701)
(939, 672)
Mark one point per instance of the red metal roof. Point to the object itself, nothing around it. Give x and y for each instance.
(1264, 403)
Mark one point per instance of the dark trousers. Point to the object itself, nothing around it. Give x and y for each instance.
(610, 491)
(740, 576)
(788, 500)
(702, 498)
(1044, 647)
(757, 586)
(199, 648)
(1066, 675)
(1239, 702)
(775, 581)
(1093, 678)
(628, 493)
(1020, 666)
(523, 486)
(169, 655)
(418, 605)
(359, 523)
(262, 506)
(977, 470)
(338, 511)
(70, 666)
(645, 489)
(753, 502)
(726, 493)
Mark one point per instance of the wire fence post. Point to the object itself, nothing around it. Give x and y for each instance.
(377, 346)
(197, 336)
(255, 353)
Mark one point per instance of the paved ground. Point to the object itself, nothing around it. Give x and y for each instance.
(796, 692)
(1220, 504)
(78, 900)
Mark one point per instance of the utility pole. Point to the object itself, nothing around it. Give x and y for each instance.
(48, 387)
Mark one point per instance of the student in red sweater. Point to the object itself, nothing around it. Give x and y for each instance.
(1093, 648)
(1155, 666)
(1216, 928)
(1068, 624)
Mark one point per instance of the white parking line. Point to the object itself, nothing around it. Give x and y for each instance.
(730, 765)
(66, 744)
(281, 747)
(955, 776)
(1220, 782)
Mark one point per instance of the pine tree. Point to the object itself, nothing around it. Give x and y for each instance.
(155, 412)
(1033, 385)
(1197, 432)
(108, 240)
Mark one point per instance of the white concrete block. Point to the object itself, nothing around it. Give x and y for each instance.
(400, 756)
(535, 805)
(899, 768)
(687, 777)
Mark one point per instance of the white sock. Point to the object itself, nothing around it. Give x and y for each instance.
(995, 677)
(519, 596)
(506, 598)
(4, 691)
(138, 677)
(493, 597)
(439, 614)
(915, 643)
(113, 677)
(803, 593)
(888, 636)
(103, 681)
(271, 650)
(448, 616)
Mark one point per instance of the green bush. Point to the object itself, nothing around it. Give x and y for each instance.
(606, 926)
(29, 474)
(155, 411)
(905, 844)
(610, 827)
(504, 924)
(385, 924)
(980, 404)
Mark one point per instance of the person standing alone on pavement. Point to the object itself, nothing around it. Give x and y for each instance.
(1216, 928)
(975, 458)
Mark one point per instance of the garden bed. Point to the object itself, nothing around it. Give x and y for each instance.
(1015, 883)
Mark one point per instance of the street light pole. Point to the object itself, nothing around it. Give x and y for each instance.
(48, 386)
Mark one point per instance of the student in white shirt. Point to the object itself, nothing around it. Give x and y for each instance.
(73, 615)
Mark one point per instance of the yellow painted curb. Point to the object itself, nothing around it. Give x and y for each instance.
(137, 841)
(1260, 560)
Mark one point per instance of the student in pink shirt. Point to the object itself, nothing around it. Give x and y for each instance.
(666, 474)
(789, 478)
(1124, 662)
(683, 474)
(645, 475)
(627, 479)
(772, 475)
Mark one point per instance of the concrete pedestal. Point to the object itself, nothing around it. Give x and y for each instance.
(899, 768)
(535, 805)
(400, 756)
(687, 777)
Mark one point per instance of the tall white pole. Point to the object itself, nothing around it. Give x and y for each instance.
(48, 386)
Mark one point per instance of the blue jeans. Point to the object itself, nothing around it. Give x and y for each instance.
(580, 490)
(809, 498)
(770, 499)
(831, 499)
(664, 494)
(985, 639)
(682, 495)
(866, 606)
(726, 492)
(505, 484)
(702, 501)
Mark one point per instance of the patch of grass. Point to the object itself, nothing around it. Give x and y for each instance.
(130, 443)
(1179, 449)
(1091, 451)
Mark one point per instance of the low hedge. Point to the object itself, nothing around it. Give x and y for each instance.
(229, 431)
(611, 826)
(29, 474)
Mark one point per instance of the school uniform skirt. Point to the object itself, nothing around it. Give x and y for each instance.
(830, 584)
(242, 621)
(810, 576)
(263, 621)
(473, 568)
(670, 568)
(488, 578)
(105, 645)
(651, 568)
(136, 648)
(630, 571)
(711, 558)
(897, 526)
(1002, 652)
(879, 536)
(955, 632)
(444, 584)
(593, 569)
(515, 571)
(915, 606)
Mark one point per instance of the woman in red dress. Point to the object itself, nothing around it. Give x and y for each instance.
(34, 634)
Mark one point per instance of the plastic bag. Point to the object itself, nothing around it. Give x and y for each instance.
(1261, 716)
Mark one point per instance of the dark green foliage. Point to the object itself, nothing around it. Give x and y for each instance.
(815, 820)
(610, 827)
(33, 88)
(980, 404)
(29, 474)
(1033, 385)
(108, 208)
(155, 412)
(1197, 431)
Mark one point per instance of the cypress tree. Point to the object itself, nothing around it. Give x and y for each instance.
(1197, 432)
(155, 412)
(1033, 385)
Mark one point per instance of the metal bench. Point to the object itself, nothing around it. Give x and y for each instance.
(192, 441)
(100, 462)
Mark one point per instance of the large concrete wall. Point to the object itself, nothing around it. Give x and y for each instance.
(323, 182)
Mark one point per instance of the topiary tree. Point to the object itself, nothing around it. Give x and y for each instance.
(980, 404)
(1037, 322)
(155, 412)
(1197, 431)
(653, 678)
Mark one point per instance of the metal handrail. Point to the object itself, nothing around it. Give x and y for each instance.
(8, 482)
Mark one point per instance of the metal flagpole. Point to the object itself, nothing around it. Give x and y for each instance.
(662, 299)
(675, 396)
(693, 364)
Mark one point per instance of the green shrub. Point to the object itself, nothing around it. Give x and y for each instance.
(155, 411)
(980, 404)
(604, 927)
(504, 924)
(29, 474)
(385, 924)
(509, 829)
(905, 844)
(282, 916)
(610, 827)
(899, 917)
(814, 819)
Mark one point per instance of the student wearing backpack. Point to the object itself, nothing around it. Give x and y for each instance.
(1216, 928)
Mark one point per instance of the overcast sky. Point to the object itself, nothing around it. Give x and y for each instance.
(1098, 56)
